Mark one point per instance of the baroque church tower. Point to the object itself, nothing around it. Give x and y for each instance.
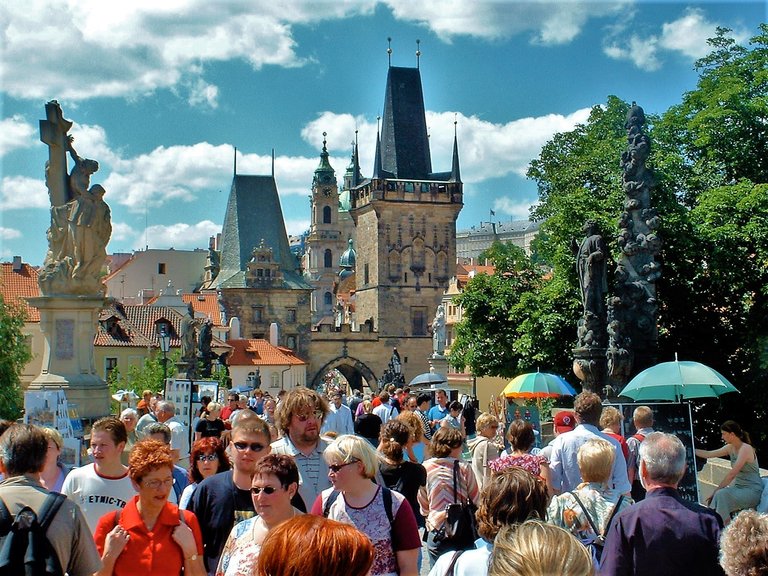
(405, 217)
(327, 239)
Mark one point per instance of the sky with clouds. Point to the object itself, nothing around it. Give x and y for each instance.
(161, 94)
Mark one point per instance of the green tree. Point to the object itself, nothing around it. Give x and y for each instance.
(14, 355)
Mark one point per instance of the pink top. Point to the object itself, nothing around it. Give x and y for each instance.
(528, 462)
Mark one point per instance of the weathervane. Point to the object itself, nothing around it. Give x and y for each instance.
(389, 50)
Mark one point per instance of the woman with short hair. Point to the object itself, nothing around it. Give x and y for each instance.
(54, 471)
(482, 448)
(446, 449)
(594, 496)
(210, 424)
(535, 548)
(381, 514)
(150, 535)
(275, 482)
(318, 546)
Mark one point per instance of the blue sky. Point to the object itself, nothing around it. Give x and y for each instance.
(162, 92)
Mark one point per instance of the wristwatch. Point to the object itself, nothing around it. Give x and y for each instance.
(193, 557)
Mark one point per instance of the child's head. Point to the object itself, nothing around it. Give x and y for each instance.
(455, 407)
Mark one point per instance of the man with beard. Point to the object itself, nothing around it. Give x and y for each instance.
(224, 499)
(300, 417)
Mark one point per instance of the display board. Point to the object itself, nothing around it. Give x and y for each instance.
(50, 408)
(672, 418)
(185, 395)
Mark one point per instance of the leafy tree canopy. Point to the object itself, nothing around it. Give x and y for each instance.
(14, 355)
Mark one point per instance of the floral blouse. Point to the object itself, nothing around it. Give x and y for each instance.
(599, 500)
(528, 462)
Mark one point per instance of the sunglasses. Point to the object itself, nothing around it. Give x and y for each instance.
(254, 446)
(206, 457)
(317, 415)
(256, 490)
(336, 467)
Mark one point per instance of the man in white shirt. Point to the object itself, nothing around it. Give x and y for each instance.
(339, 419)
(166, 414)
(103, 486)
(563, 464)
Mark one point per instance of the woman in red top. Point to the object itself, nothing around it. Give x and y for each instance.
(148, 536)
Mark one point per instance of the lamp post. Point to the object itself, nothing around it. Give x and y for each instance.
(165, 344)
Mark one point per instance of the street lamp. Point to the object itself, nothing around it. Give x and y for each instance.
(165, 345)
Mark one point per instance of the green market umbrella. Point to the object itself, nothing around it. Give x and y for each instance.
(677, 381)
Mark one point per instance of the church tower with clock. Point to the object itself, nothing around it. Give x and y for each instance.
(328, 238)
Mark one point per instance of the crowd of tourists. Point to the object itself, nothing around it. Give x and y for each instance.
(314, 484)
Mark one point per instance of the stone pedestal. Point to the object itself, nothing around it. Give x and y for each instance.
(69, 325)
(589, 366)
(439, 363)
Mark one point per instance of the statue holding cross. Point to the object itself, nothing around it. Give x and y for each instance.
(80, 219)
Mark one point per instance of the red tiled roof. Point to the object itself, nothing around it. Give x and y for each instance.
(205, 304)
(16, 286)
(261, 353)
(463, 272)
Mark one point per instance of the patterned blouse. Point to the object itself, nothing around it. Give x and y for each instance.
(528, 462)
(599, 500)
(438, 492)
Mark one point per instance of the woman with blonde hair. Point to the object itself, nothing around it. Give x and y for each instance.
(482, 447)
(381, 514)
(53, 473)
(588, 510)
(417, 449)
(538, 549)
(210, 423)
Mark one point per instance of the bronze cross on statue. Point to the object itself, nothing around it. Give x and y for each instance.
(53, 132)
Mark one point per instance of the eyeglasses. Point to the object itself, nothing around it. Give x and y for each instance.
(336, 467)
(155, 484)
(254, 446)
(207, 457)
(256, 490)
(317, 415)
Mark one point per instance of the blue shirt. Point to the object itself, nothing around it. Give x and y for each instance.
(663, 536)
(437, 413)
(564, 467)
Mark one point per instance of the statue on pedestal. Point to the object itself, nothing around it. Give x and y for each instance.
(438, 331)
(80, 219)
(188, 335)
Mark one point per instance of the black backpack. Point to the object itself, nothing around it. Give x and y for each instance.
(24, 548)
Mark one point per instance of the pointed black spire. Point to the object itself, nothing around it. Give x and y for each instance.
(455, 172)
(357, 177)
(377, 172)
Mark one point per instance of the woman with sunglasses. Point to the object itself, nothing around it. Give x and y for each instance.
(150, 535)
(381, 514)
(275, 482)
(207, 458)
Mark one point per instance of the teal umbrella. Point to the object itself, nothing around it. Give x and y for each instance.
(676, 381)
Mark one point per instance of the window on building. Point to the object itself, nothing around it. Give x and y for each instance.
(275, 380)
(290, 341)
(327, 215)
(328, 258)
(291, 315)
(109, 366)
(328, 299)
(161, 267)
(258, 314)
(366, 277)
(419, 320)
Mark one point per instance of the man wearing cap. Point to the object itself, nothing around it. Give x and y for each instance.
(563, 463)
(339, 419)
(564, 421)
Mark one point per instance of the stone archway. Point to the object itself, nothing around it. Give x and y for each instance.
(356, 372)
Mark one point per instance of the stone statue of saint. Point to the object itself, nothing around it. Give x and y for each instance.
(188, 335)
(591, 266)
(438, 331)
(80, 219)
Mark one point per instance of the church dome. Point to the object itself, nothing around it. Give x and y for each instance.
(347, 261)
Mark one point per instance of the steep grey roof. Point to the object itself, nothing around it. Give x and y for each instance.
(514, 226)
(404, 142)
(253, 213)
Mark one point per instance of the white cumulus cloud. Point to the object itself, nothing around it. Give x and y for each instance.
(15, 133)
(514, 207)
(179, 235)
(20, 193)
(9, 233)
